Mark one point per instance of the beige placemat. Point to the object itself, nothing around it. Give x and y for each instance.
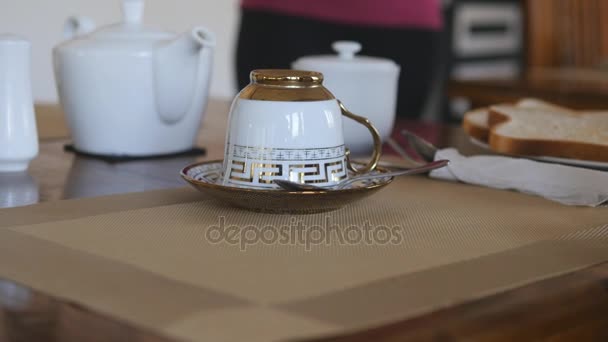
(193, 269)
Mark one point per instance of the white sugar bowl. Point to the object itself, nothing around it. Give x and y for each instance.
(369, 85)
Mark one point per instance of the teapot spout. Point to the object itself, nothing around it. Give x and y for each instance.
(183, 68)
(191, 42)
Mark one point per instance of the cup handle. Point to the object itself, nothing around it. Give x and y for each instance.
(377, 141)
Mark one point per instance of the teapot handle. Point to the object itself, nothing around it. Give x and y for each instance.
(77, 26)
(371, 165)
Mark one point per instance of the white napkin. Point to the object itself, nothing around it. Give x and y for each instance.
(564, 184)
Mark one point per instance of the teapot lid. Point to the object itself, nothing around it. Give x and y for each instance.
(346, 59)
(132, 26)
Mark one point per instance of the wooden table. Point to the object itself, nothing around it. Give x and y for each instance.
(569, 307)
(573, 88)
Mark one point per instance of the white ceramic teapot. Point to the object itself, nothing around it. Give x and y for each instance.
(131, 91)
(367, 84)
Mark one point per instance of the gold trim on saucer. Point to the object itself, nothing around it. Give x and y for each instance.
(276, 200)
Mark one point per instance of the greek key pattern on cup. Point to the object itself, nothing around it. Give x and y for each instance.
(285, 154)
(247, 172)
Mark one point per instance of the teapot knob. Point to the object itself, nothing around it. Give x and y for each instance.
(133, 11)
(346, 49)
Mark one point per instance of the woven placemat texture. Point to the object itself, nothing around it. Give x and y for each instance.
(184, 265)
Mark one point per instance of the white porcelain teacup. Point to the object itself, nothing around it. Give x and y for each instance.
(286, 125)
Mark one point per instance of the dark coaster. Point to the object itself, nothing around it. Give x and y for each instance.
(195, 152)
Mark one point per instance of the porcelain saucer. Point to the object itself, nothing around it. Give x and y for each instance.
(206, 177)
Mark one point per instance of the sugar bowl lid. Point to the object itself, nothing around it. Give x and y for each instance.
(346, 59)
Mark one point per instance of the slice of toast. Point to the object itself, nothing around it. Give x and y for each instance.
(534, 130)
(476, 124)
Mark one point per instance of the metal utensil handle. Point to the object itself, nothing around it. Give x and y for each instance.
(425, 168)
(371, 165)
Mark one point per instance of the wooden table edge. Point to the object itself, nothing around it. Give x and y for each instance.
(488, 318)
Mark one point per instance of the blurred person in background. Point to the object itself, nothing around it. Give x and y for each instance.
(274, 33)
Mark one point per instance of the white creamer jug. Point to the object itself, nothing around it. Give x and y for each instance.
(18, 134)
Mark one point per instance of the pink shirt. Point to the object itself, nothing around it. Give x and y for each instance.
(424, 14)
